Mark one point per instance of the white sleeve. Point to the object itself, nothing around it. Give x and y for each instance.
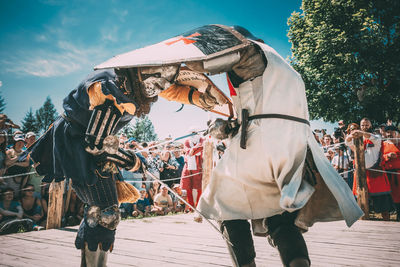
(372, 152)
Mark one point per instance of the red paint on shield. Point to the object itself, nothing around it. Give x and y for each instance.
(185, 40)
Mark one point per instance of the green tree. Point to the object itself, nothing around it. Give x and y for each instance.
(142, 130)
(29, 123)
(2, 104)
(46, 115)
(348, 53)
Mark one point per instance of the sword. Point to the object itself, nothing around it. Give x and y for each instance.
(184, 201)
(171, 141)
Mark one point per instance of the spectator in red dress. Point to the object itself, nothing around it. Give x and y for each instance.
(391, 163)
(192, 171)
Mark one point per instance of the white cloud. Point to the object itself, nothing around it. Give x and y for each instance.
(69, 21)
(120, 13)
(109, 33)
(1, 83)
(41, 38)
(66, 59)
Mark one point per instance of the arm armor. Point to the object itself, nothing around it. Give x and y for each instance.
(100, 141)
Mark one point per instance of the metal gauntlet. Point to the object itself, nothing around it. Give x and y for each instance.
(222, 129)
(102, 144)
(102, 123)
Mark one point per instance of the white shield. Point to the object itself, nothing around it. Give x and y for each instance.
(202, 43)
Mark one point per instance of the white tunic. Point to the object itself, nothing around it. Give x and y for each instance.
(265, 179)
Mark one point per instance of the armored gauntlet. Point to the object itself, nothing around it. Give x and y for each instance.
(100, 141)
(222, 129)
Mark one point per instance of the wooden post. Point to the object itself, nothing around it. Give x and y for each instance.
(68, 198)
(55, 209)
(208, 148)
(360, 172)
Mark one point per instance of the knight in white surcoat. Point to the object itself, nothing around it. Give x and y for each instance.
(273, 172)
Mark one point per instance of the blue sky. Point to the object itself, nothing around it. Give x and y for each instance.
(47, 47)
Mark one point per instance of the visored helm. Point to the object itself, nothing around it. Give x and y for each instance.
(150, 80)
(155, 79)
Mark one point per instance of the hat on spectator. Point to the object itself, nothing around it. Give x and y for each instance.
(142, 189)
(30, 134)
(19, 137)
(163, 186)
(176, 185)
(391, 128)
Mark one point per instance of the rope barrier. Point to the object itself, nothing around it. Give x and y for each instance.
(383, 171)
(166, 180)
(16, 175)
(169, 141)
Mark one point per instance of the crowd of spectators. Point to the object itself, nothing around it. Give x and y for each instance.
(382, 161)
(20, 207)
(165, 160)
(24, 199)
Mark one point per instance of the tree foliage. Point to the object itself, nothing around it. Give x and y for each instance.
(142, 130)
(348, 53)
(46, 115)
(29, 123)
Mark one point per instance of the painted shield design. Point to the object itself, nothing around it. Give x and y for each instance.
(202, 43)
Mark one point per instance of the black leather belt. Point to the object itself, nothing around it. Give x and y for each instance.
(246, 118)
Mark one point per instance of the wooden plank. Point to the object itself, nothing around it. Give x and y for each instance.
(179, 241)
(55, 210)
(207, 162)
(361, 175)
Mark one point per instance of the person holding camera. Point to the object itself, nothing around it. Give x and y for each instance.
(168, 168)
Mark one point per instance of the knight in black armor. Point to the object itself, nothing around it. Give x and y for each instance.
(81, 145)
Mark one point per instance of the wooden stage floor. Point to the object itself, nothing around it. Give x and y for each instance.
(179, 241)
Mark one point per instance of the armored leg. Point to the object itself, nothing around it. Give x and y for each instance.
(96, 233)
(286, 237)
(238, 233)
(96, 258)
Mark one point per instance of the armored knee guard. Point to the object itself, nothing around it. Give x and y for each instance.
(238, 233)
(287, 238)
(98, 228)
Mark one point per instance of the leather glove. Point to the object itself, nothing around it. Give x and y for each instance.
(207, 101)
(222, 129)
